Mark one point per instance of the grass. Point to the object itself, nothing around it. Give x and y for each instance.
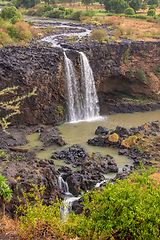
(131, 28)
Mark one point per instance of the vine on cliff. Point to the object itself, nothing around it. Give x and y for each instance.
(11, 107)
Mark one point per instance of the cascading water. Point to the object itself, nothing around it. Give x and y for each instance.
(66, 207)
(74, 96)
(90, 99)
(82, 97)
(63, 185)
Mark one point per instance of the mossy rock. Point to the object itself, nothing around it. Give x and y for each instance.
(129, 142)
(113, 137)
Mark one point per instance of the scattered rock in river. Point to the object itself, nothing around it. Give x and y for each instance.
(50, 137)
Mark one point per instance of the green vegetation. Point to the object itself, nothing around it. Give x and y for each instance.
(37, 219)
(98, 34)
(25, 3)
(129, 11)
(5, 193)
(128, 209)
(12, 27)
(151, 12)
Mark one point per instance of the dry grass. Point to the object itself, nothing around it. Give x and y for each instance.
(130, 28)
(7, 225)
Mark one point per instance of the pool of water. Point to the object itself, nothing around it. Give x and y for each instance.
(80, 132)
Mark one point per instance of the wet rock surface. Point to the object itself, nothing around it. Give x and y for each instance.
(134, 142)
(51, 136)
(92, 169)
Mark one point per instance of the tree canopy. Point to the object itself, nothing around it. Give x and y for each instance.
(118, 6)
(25, 3)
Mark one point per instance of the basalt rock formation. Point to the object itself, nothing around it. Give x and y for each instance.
(122, 71)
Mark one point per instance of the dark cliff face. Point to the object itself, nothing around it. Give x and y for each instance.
(35, 66)
(131, 68)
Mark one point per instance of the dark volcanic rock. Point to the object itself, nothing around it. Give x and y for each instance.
(22, 173)
(101, 131)
(50, 137)
(72, 155)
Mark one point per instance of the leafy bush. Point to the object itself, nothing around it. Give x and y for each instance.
(55, 14)
(68, 11)
(21, 31)
(129, 11)
(61, 8)
(151, 12)
(5, 39)
(76, 15)
(128, 209)
(98, 34)
(5, 193)
(8, 12)
(38, 219)
(90, 13)
(16, 18)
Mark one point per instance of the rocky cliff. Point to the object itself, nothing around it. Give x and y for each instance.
(121, 70)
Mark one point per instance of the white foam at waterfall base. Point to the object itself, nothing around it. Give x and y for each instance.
(82, 96)
(67, 206)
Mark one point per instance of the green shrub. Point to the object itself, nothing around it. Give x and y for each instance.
(5, 193)
(68, 11)
(151, 12)
(36, 218)
(129, 209)
(129, 11)
(8, 12)
(55, 14)
(98, 34)
(61, 8)
(152, 7)
(16, 18)
(90, 13)
(76, 15)
(5, 39)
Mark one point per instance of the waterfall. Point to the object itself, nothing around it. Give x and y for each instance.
(66, 207)
(74, 95)
(82, 95)
(90, 99)
(63, 185)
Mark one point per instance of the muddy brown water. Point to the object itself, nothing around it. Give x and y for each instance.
(80, 132)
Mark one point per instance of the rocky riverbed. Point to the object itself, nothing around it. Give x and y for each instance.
(22, 168)
(119, 89)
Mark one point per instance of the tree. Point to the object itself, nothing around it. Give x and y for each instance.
(5, 193)
(136, 4)
(152, 2)
(8, 12)
(144, 6)
(117, 6)
(11, 107)
(25, 3)
(87, 3)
